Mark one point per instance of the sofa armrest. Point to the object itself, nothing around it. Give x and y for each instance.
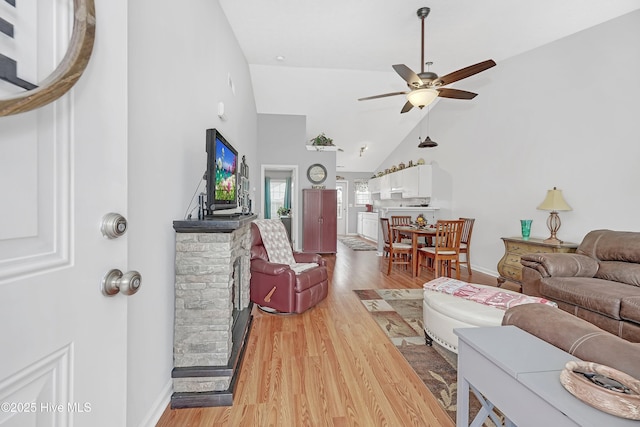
(270, 268)
(561, 265)
(576, 336)
(305, 257)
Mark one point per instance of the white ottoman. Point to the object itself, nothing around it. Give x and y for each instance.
(443, 312)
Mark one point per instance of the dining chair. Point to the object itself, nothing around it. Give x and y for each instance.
(384, 225)
(446, 249)
(399, 253)
(401, 220)
(465, 242)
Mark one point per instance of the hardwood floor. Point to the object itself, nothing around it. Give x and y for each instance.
(330, 366)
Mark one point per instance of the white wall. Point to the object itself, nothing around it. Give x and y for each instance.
(282, 141)
(565, 115)
(180, 58)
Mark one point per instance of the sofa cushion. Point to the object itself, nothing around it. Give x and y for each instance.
(630, 309)
(619, 271)
(600, 296)
(608, 245)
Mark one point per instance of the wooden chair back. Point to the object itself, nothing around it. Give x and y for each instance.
(384, 224)
(400, 219)
(446, 250)
(465, 243)
(467, 228)
(399, 253)
(448, 235)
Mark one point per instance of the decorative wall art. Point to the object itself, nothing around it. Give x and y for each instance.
(63, 77)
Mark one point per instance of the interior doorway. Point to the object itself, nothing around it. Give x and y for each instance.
(285, 178)
(342, 192)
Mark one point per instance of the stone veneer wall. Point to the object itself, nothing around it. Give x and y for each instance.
(203, 306)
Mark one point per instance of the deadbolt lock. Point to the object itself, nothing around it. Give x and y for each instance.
(113, 225)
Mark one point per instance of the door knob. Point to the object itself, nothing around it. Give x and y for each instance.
(114, 281)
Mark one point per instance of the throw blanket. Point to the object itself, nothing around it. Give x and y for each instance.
(487, 296)
(276, 243)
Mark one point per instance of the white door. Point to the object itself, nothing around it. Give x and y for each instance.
(342, 188)
(62, 167)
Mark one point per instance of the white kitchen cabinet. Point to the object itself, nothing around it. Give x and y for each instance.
(359, 224)
(396, 181)
(385, 187)
(413, 182)
(374, 185)
(370, 225)
(417, 181)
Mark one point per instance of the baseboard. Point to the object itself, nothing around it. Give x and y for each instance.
(485, 271)
(158, 406)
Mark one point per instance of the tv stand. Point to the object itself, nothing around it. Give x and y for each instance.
(223, 216)
(213, 223)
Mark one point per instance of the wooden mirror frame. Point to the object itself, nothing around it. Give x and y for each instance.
(68, 71)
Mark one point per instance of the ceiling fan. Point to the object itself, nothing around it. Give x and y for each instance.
(425, 87)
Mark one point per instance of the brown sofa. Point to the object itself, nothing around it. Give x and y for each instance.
(276, 287)
(576, 336)
(599, 283)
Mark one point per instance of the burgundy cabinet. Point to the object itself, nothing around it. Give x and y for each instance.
(319, 221)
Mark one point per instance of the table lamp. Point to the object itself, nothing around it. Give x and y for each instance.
(554, 202)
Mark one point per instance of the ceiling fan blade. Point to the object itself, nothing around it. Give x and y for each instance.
(408, 106)
(409, 76)
(463, 73)
(382, 96)
(456, 93)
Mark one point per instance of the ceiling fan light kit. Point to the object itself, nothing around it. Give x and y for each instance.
(422, 97)
(425, 87)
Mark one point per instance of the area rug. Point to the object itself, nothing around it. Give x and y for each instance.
(398, 312)
(357, 244)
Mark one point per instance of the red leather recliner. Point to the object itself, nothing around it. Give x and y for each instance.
(276, 287)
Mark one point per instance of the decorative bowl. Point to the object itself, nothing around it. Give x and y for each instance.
(602, 387)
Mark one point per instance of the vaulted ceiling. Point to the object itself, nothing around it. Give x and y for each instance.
(316, 58)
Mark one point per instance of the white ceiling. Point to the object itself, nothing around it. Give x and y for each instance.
(336, 51)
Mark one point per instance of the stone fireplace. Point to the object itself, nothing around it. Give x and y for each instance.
(212, 309)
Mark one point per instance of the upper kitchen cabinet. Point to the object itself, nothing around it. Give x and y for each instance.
(374, 185)
(413, 182)
(385, 187)
(417, 181)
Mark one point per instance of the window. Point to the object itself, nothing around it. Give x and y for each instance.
(277, 188)
(363, 197)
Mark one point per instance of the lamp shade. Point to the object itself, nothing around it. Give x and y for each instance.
(422, 97)
(554, 201)
(427, 143)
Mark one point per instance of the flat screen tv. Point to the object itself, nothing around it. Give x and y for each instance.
(221, 175)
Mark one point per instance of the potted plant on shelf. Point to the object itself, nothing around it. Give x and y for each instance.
(282, 211)
(322, 140)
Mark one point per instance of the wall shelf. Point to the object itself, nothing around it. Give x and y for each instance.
(322, 148)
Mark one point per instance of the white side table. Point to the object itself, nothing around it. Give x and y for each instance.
(520, 375)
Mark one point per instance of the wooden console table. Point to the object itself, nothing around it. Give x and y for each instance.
(520, 375)
(509, 266)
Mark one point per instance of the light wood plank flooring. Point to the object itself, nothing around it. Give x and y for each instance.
(330, 366)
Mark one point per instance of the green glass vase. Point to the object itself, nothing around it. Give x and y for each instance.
(525, 226)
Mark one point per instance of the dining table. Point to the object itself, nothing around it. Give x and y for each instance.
(416, 232)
